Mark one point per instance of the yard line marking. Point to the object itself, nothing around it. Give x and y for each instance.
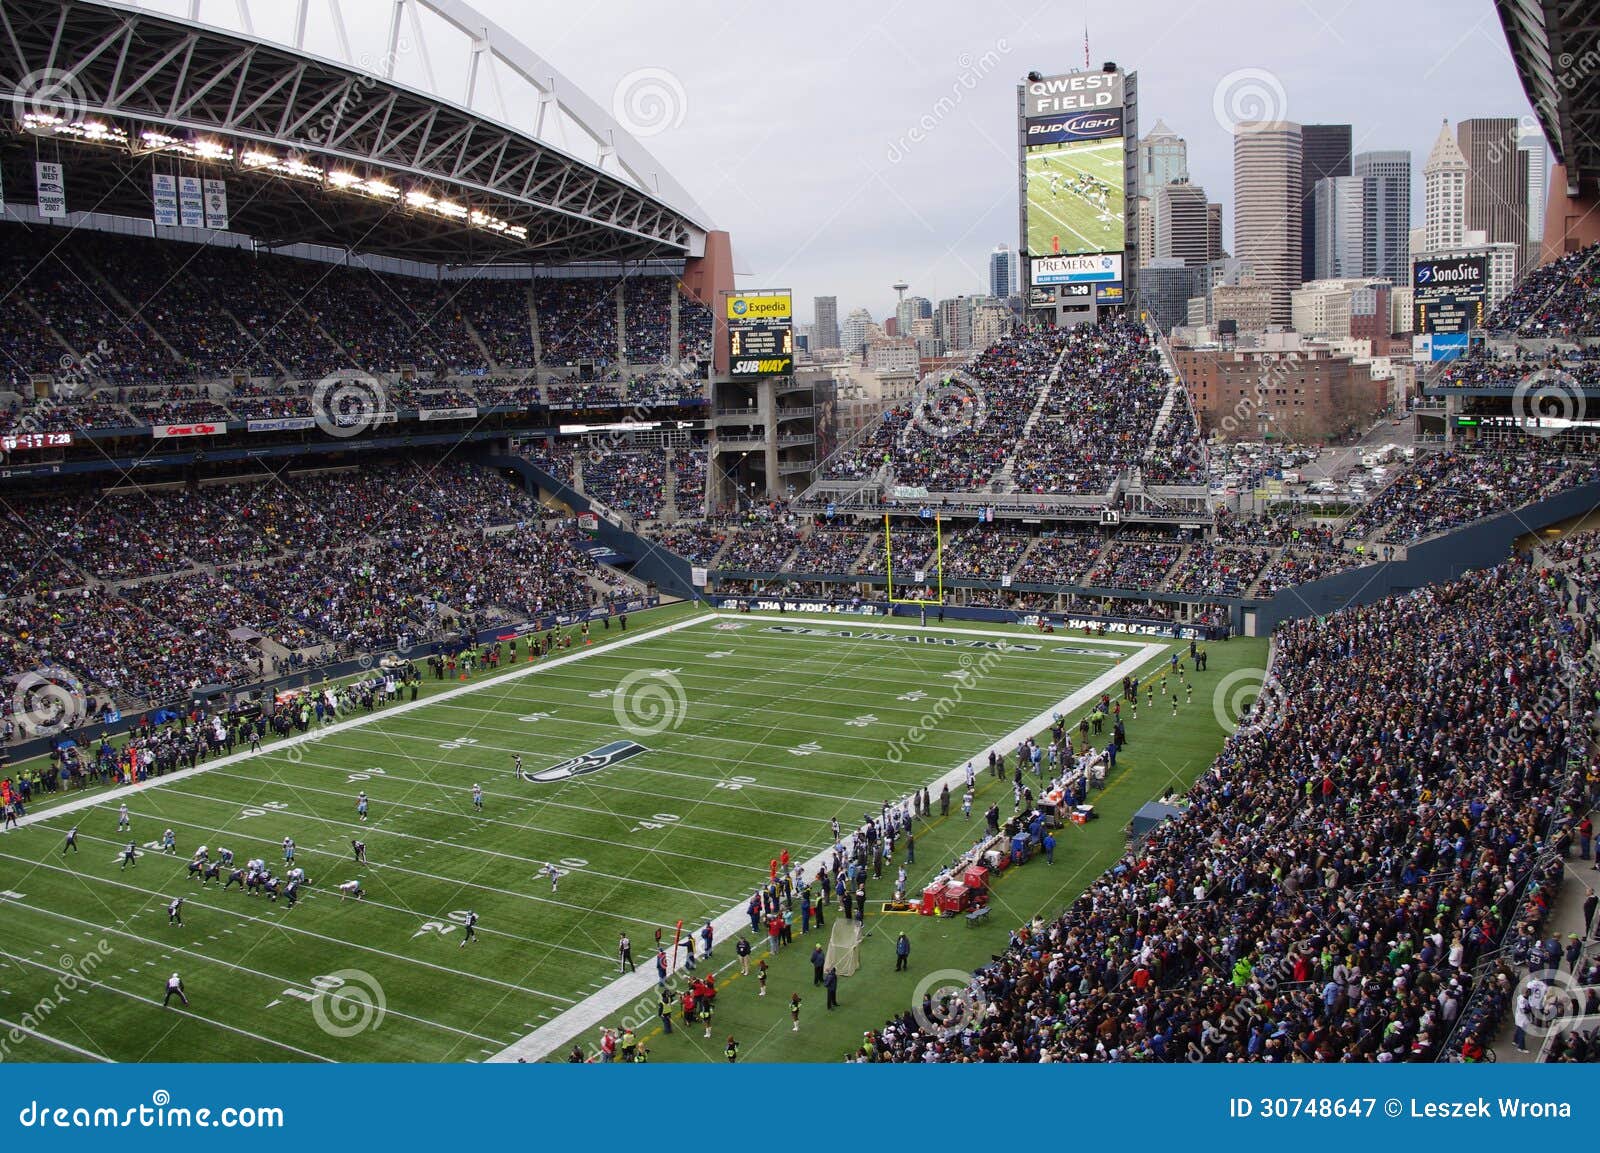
(91, 800)
(537, 863)
(625, 990)
(56, 1041)
(284, 927)
(183, 1013)
(261, 973)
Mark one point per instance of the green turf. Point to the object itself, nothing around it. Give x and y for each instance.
(682, 830)
(1060, 217)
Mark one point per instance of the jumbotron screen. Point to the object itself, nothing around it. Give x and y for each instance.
(760, 334)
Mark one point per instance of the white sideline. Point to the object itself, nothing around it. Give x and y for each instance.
(628, 989)
(97, 797)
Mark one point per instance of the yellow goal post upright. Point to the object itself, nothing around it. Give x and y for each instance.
(938, 564)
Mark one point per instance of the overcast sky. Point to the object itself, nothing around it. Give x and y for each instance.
(848, 145)
(794, 131)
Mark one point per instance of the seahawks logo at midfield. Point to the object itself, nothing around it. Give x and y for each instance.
(591, 762)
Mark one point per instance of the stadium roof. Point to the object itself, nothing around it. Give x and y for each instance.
(1553, 43)
(360, 149)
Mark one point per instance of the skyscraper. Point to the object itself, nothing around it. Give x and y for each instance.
(858, 328)
(1339, 205)
(910, 310)
(1002, 272)
(1444, 195)
(1181, 224)
(1538, 166)
(1266, 208)
(825, 332)
(955, 322)
(1497, 181)
(1386, 196)
(1214, 249)
(1163, 158)
(1324, 152)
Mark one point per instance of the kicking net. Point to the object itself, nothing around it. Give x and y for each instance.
(844, 947)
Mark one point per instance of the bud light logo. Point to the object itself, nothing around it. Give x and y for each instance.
(1076, 126)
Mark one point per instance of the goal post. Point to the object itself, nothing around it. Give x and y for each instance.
(844, 948)
(938, 564)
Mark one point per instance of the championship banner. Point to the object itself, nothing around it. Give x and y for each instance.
(164, 199)
(698, 576)
(191, 202)
(51, 179)
(216, 204)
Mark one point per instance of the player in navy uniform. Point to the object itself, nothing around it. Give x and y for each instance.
(175, 989)
(71, 842)
(359, 848)
(175, 912)
(472, 929)
(516, 765)
(128, 855)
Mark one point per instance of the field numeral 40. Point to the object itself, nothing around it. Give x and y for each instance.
(263, 809)
(656, 821)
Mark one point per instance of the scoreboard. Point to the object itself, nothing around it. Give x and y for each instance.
(760, 333)
(1448, 295)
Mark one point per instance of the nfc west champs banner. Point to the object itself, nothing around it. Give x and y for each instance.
(51, 179)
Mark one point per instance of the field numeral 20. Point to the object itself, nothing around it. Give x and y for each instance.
(366, 776)
(458, 743)
(457, 918)
(656, 821)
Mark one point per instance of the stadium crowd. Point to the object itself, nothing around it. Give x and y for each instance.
(1336, 874)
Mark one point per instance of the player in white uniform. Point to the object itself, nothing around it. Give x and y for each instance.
(477, 797)
(122, 819)
(553, 873)
(351, 889)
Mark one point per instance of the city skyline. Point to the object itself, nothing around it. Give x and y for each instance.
(838, 189)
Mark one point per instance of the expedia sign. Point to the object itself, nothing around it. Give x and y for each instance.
(760, 333)
(1064, 129)
(591, 762)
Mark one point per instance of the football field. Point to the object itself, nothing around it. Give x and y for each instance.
(665, 768)
(1075, 198)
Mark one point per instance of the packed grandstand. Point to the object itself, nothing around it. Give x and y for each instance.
(1366, 871)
